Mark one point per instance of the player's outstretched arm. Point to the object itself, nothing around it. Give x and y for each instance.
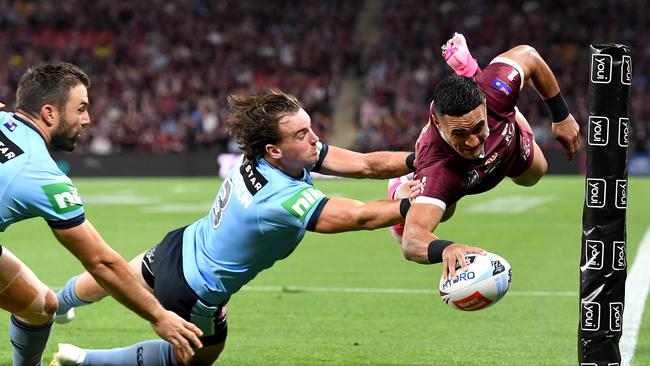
(420, 245)
(113, 274)
(378, 165)
(540, 76)
(344, 214)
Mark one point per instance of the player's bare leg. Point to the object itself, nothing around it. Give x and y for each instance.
(32, 305)
(88, 290)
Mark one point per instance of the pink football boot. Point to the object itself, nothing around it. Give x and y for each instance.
(457, 55)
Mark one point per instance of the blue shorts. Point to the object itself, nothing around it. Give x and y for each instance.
(162, 269)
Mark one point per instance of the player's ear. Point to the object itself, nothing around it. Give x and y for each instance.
(273, 151)
(435, 120)
(49, 114)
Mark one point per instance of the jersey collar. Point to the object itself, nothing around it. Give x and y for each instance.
(28, 124)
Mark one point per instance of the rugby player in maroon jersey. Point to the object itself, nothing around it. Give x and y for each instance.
(475, 138)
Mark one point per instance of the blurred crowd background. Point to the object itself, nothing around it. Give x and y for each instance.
(161, 70)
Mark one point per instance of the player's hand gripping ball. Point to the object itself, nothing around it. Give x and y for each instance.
(487, 279)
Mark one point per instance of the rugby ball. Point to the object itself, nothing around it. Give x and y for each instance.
(487, 279)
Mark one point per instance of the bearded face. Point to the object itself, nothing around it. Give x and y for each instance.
(73, 118)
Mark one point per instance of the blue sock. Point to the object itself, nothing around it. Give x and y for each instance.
(151, 353)
(28, 341)
(68, 298)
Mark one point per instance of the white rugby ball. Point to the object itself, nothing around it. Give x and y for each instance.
(487, 279)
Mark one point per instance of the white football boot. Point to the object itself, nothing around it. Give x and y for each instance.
(68, 355)
(65, 318)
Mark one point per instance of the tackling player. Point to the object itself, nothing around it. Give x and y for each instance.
(260, 214)
(476, 137)
(51, 112)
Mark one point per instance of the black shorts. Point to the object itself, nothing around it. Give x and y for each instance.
(162, 269)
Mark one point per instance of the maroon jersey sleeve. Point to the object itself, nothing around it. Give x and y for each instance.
(501, 82)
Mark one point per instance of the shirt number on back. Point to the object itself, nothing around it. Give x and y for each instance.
(221, 202)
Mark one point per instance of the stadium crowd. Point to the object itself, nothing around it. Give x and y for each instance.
(406, 62)
(161, 70)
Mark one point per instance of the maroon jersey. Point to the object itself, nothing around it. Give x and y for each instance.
(508, 149)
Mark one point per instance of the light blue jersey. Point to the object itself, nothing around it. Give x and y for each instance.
(31, 184)
(258, 217)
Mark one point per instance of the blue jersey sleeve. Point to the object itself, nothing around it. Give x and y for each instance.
(50, 196)
(298, 206)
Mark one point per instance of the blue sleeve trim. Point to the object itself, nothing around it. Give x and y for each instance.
(321, 157)
(313, 220)
(67, 224)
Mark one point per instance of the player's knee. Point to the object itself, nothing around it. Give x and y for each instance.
(41, 309)
(50, 303)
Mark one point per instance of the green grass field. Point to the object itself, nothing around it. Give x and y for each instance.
(327, 304)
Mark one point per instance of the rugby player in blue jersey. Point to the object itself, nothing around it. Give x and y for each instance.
(260, 214)
(51, 112)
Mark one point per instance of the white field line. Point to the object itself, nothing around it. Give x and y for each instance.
(636, 292)
(390, 291)
(509, 204)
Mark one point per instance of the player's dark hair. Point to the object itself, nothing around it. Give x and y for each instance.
(253, 119)
(456, 95)
(48, 84)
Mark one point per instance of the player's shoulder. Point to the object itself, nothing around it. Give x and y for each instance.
(503, 74)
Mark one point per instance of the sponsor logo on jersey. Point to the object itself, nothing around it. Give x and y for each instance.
(8, 150)
(598, 130)
(492, 162)
(594, 254)
(472, 178)
(11, 126)
(499, 85)
(253, 179)
(64, 197)
(590, 316)
(615, 316)
(302, 202)
(508, 132)
(595, 194)
(626, 70)
(601, 69)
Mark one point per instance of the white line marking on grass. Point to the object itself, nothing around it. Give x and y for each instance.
(391, 291)
(199, 207)
(636, 292)
(118, 199)
(509, 205)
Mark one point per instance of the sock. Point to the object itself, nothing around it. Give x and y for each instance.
(68, 298)
(28, 341)
(151, 353)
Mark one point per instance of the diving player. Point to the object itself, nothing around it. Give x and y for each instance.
(263, 209)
